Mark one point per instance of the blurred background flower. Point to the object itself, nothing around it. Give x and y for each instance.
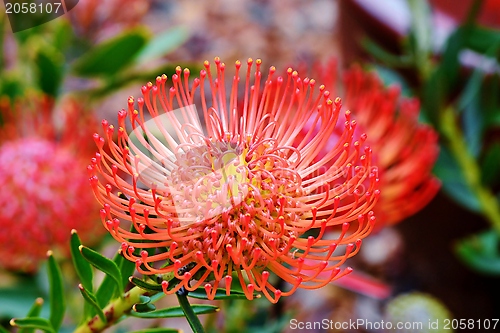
(405, 150)
(44, 192)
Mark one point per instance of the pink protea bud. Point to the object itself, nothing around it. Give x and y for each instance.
(235, 194)
(44, 193)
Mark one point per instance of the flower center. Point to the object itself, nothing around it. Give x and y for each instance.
(236, 195)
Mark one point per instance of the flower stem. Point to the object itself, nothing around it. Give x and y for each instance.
(191, 317)
(113, 311)
(470, 168)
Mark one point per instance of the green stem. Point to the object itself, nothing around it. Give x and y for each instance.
(113, 311)
(191, 317)
(470, 168)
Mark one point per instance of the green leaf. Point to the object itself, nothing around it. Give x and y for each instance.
(3, 329)
(109, 267)
(112, 55)
(491, 164)
(481, 252)
(158, 330)
(82, 266)
(434, 97)
(12, 85)
(450, 63)
(388, 59)
(163, 44)
(472, 89)
(490, 101)
(482, 39)
(105, 291)
(127, 268)
(474, 120)
(49, 69)
(176, 311)
(189, 312)
(145, 304)
(35, 310)
(143, 299)
(145, 285)
(453, 183)
(36, 323)
(443, 79)
(144, 307)
(92, 300)
(200, 293)
(83, 270)
(56, 293)
(473, 128)
(63, 35)
(108, 285)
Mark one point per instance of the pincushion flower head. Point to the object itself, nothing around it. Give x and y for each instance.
(405, 150)
(43, 195)
(234, 198)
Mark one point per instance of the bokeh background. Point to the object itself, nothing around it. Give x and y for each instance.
(74, 71)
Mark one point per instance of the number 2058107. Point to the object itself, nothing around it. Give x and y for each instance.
(32, 8)
(471, 324)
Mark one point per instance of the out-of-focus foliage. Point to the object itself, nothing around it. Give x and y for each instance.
(51, 58)
(462, 102)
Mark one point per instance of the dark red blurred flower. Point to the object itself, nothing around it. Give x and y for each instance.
(489, 14)
(44, 194)
(235, 195)
(404, 149)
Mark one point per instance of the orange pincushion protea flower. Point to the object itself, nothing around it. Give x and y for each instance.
(236, 196)
(43, 194)
(404, 149)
